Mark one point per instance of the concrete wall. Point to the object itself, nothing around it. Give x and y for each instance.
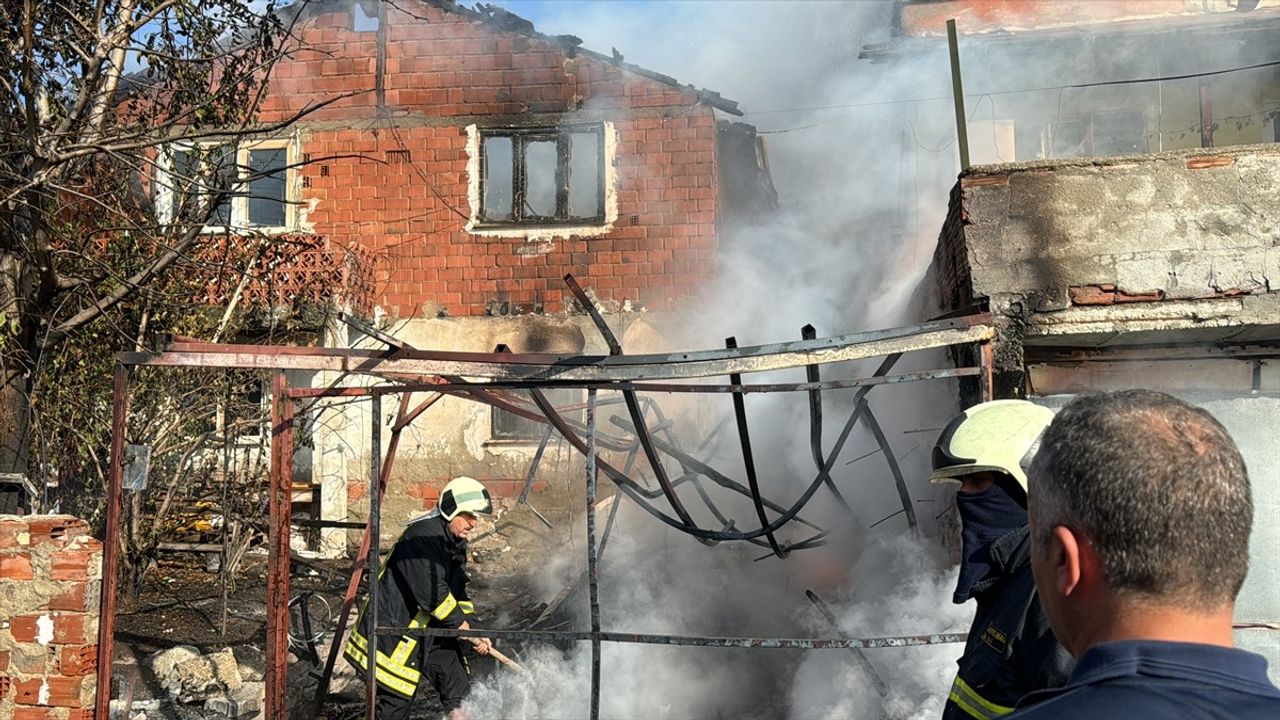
(1087, 264)
(1181, 225)
(1167, 248)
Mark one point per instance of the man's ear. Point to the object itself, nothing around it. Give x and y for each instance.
(1065, 549)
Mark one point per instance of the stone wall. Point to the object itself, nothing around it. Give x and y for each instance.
(50, 578)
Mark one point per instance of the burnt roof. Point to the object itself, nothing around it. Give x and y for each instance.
(504, 20)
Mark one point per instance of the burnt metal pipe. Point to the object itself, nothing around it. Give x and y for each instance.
(633, 408)
(593, 570)
(878, 682)
(371, 572)
(814, 376)
(748, 459)
(870, 419)
(693, 465)
(897, 641)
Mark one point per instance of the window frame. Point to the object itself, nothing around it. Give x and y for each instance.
(521, 137)
(239, 219)
(508, 438)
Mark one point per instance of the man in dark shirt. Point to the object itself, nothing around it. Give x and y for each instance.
(1010, 651)
(1140, 511)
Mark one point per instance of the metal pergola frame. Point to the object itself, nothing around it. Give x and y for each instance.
(492, 379)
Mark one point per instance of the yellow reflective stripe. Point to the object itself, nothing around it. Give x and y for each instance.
(401, 654)
(971, 698)
(358, 640)
(445, 608)
(358, 645)
(966, 707)
(394, 683)
(409, 642)
(386, 678)
(468, 607)
(403, 678)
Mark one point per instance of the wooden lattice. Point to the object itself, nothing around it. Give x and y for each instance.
(293, 270)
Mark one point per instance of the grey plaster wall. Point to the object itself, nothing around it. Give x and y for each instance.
(1186, 224)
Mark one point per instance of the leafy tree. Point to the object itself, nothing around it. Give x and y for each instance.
(92, 93)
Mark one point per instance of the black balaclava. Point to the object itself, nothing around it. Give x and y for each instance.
(984, 517)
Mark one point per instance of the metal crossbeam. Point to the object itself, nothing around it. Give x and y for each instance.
(510, 366)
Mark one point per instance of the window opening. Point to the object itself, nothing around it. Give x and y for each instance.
(542, 176)
(516, 428)
(584, 167)
(497, 169)
(266, 187)
(540, 181)
(253, 181)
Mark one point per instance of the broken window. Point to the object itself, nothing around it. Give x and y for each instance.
(1102, 134)
(517, 428)
(542, 176)
(250, 184)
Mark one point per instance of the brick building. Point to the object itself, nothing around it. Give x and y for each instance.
(472, 162)
(479, 161)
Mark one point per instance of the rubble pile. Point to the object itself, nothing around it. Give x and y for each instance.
(213, 685)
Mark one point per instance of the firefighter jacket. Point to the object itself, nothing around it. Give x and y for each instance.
(423, 583)
(1011, 650)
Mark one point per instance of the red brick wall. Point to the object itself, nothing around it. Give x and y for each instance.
(445, 71)
(50, 575)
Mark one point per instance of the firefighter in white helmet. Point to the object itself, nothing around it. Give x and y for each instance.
(1011, 649)
(424, 583)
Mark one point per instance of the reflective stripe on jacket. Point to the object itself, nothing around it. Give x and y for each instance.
(1010, 651)
(423, 583)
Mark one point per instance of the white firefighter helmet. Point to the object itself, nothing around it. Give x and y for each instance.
(997, 436)
(464, 494)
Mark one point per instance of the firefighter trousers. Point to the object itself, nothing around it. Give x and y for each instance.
(444, 667)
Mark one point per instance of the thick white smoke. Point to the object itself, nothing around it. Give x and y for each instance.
(862, 199)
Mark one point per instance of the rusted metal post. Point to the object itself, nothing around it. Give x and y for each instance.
(986, 376)
(593, 570)
(111, 540)
(957, 93)
(279, 493)
(371, 572)
(1206, 115)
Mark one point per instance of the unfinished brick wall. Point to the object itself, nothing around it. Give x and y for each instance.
(50, 575)
(406, 197)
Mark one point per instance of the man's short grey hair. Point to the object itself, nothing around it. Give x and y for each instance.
(1159, 489)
